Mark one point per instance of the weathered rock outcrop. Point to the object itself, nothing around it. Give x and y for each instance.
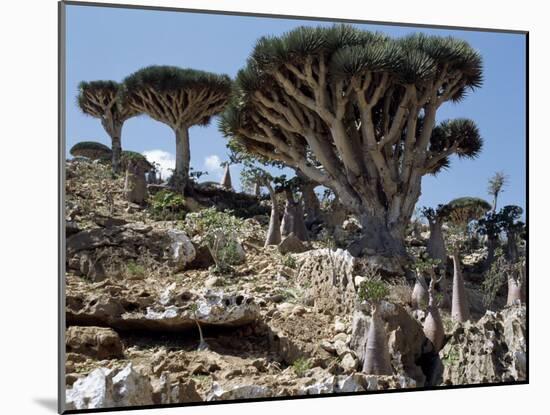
(490, 351)
(329, 276)
(154, 307)
(109, 388)
(97, 342)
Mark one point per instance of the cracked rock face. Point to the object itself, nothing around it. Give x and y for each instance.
(108, 388)
(152, 307)
(330, 275)
(491, 350)
(97, 342)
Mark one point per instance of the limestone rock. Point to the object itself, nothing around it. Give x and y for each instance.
(97, 342)
(357, 382)
(182, 251)
(291, 244)
(330, 275)
(109, 388)
(490, 351)
(218, 393)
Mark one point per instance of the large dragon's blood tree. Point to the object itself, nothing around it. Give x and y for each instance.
(99, 99)
(355, 111)
(179, 98)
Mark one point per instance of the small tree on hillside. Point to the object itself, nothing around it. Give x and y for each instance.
(99, 99)
(179, 98)
(461, 212)
(355, 111)
(496, 186)
(377, 356)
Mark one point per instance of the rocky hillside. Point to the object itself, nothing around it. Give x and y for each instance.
(277, 321)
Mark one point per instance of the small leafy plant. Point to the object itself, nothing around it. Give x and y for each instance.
(373, 290)
(301, 366)
(289, 261)
(135, 270)
(202, 344)
(168, 205)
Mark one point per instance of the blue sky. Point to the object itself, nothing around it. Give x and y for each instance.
(110, 43)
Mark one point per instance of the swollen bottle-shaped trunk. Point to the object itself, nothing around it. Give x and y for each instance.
(312, 207)
(460, 308)
(274, 232)
(183, 158)
(287, 223)
(419, 296)
(437, 250)
(515, 291)
(377, 356)
(433, 325)
(300, 229)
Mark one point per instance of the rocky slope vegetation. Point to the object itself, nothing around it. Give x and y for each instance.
(280, 321)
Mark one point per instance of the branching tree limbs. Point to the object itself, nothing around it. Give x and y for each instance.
(99, 99)
(179, 98)
(355, 111)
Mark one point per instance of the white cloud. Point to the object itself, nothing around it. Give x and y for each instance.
(165, 160)
(212, 165)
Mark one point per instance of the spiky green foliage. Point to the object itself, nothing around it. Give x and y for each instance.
(91, 149)
(99, 99)
(463, 210)
(191, 97)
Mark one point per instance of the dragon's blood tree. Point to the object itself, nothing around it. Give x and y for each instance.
(460, 212)
(355, 111)
(99, 99)
(179, 98)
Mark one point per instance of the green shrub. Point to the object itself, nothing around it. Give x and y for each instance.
(289, 261)
(373, 290)
(219, 231)
(167, 205)
(135, 270)
(301, 366)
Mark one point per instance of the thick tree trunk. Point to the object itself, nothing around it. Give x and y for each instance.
(312, 207)
(460, 307)
(377, 356)
(293, 218)
(492, 243)
(116, 146)
(378, 239)
(512, 247)
(183, 159)
(274, 232)
(437, 250)
(433, 324)
(436, 244)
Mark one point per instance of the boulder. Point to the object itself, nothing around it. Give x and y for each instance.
(135, 185)
(180, 390)
(493, 350)
(291, 244)
(110, 388)
(182, 251)
(219, 393)
(329, 276)
(97, 342)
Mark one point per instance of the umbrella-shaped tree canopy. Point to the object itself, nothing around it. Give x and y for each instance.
(180, 98)
(355, 111)
(99, 99)
(92, 150)
(463, 210)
